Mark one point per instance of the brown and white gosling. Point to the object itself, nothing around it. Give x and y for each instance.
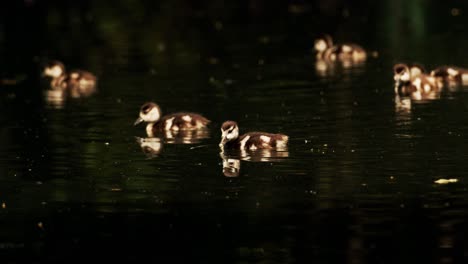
(411, 80)
(403, 73)
(450, 75)
(250, 141)
(77, 83)
(345, 52)
(151, 114)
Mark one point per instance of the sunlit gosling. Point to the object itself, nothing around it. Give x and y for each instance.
(450, 75)
(422, 87)
(151, 114)
(55, 70)
(250, 141)
(322, 44)
(77, 83)
(404, 73)
(346, 52)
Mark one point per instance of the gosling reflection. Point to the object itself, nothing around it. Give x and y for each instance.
(325, 68)
(55, 98)
(231, 167)
(232, 158)
(184, 136)
(152, 147)
(402, 104)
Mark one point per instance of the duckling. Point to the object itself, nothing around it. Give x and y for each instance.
(422, 87)
(403, 74)
(78, 83)
(450, 75)
(346, 52)
(81, 83)
(321, 45)
(250, 141)
(56, 71)
(151, 113)
(412, 81)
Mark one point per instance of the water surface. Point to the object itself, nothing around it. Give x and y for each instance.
(356, 184)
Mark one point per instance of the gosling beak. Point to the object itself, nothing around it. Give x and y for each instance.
(138, 121)
(223, 141)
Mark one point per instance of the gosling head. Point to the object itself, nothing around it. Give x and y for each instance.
(149, 112)
(403, 73)
(229, 132)
(54, 69)
(323, 43)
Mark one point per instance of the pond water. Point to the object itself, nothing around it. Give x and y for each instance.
(357, 184)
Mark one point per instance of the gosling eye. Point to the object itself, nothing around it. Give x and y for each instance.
(399, 69)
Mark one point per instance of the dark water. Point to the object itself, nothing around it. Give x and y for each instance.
(356, 185)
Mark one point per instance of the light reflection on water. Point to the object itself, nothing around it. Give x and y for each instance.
(232, 158)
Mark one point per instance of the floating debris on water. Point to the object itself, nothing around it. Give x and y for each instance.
(445, 181)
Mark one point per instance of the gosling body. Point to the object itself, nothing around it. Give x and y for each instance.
(151, 114)
(77, 83)
(345, 52)
(250, 141)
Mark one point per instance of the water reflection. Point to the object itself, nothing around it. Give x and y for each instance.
(325, 68)
(185, 136)
(152, 147)
(231, 167)
(55, 98)
(402, 104)
(232, 158)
